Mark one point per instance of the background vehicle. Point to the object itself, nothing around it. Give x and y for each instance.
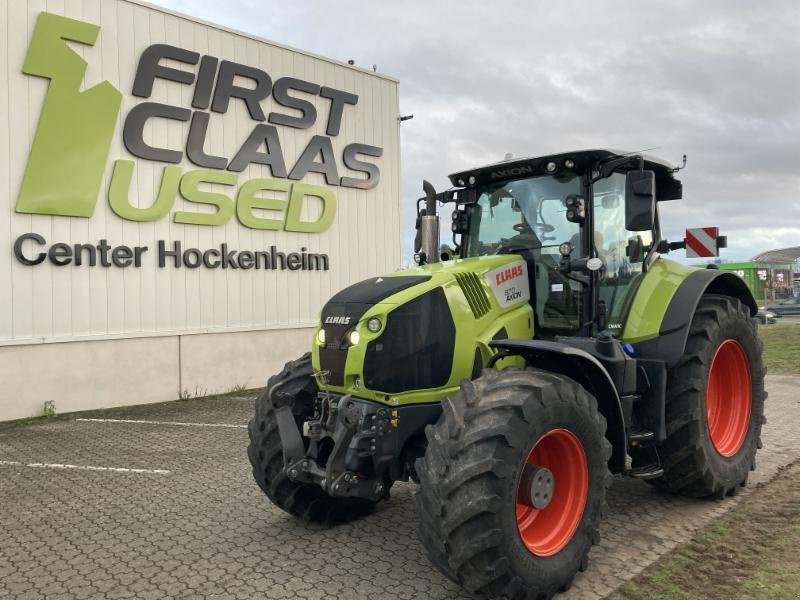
(559, 347)
(790, 306)
(766, 317)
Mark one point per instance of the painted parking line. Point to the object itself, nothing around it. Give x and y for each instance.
(175, 423)
(14, 463)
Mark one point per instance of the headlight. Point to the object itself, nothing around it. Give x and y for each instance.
(321, 337)
(374, 324)
(353, 338)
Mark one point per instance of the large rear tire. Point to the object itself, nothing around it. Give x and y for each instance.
(477, 519)
(715, 402)
(304, 500)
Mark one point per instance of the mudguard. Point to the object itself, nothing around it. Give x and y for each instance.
(674, 330)
(586, 370)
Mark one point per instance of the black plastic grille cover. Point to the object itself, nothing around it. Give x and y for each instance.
(333, 355)
(371, 291)
(343, 311)
(415, 350)
(471, 285)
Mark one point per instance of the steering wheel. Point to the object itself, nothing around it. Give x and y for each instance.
(523, 244)
(538, 228)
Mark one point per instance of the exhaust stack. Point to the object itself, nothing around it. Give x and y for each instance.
(429, 225)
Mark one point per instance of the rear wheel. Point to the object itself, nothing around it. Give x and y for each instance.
(513, 482)
(305, 500)
(715, 402)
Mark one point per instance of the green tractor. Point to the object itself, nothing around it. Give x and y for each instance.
(512, 376)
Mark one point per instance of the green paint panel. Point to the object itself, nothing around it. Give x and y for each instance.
(247, 200)
(71, 144)
(119, 190)
(190, 190)
(299, 193)
(471, 333)
(652, 299)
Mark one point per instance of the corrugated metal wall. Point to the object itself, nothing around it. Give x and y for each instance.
(48, 303)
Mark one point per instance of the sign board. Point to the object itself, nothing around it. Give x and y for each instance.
(167, 176)
(702, 242)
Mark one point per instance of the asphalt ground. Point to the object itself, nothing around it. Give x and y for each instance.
(157, 501)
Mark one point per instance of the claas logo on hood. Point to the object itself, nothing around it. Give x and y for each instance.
(508, 274)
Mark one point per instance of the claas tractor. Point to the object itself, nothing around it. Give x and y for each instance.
(513, 374)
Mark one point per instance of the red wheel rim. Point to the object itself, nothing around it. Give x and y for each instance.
(546, 531)
(728, 398)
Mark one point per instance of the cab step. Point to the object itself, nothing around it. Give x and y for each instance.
(641, 436)
(646, 472)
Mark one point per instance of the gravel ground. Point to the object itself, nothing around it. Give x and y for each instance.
(157, 501)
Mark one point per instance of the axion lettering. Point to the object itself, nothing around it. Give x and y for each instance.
(512, 171)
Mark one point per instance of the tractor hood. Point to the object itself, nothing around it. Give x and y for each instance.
(377, 332)
(348, 307)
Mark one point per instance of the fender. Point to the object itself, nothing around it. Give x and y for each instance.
(586, 370)
(674, 330)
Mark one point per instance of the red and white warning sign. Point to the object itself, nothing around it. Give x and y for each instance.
(702, 242)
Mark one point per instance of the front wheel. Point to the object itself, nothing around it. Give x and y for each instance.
(513, 482)
(307, 501)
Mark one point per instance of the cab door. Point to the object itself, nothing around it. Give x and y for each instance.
(621, 251)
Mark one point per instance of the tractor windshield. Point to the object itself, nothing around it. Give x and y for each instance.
(528, 217)
(523, 214)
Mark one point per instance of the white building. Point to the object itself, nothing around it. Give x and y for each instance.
(178, 200)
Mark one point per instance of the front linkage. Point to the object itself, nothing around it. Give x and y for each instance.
(353, 447)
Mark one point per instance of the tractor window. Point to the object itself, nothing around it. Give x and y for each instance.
(622, 251)
(523, 213)
(528, 217)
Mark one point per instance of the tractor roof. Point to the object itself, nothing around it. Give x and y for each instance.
(667, 187)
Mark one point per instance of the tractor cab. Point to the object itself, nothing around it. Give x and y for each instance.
(585, 222)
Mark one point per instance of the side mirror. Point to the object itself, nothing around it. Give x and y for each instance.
(640, 200)
(498, 195)
(610, 201)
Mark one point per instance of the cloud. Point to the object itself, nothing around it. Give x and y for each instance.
(718, 81)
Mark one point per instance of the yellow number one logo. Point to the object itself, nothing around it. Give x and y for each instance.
(73, 136)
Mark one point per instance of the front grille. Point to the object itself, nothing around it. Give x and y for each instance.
(470, 284)
(415, 350)
(345, 309)
(332, 357)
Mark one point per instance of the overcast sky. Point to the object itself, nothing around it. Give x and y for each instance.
(718, 81)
